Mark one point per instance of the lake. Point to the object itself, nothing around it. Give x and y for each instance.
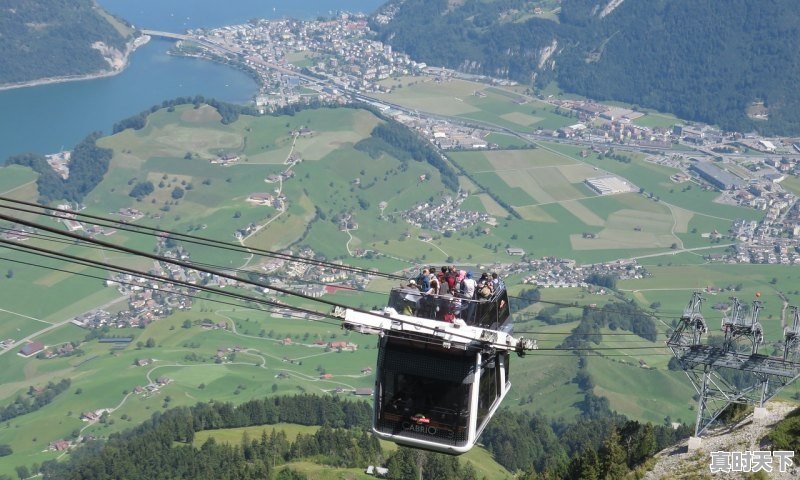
(48, 118)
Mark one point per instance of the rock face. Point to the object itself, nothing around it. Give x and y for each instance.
(677, 462)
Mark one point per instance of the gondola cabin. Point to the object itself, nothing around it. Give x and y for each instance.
(443, 367)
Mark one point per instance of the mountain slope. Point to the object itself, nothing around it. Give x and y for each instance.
(55, 38)
(676, 462)
(689, 57)
(695, 59)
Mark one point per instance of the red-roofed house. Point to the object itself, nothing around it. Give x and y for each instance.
(31, 349)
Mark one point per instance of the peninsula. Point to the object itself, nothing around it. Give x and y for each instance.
(34, 51)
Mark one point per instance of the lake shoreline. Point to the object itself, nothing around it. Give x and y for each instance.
(132, 46)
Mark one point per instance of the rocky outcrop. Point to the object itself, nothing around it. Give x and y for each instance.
(678, 462)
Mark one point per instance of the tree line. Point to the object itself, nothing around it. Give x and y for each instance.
(601, 441)
(34, 400)
(228, 111)
(161, 447)
(87, 166)
(613, 315)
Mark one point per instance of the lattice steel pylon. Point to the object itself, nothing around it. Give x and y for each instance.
(716, 371)
(791, 335)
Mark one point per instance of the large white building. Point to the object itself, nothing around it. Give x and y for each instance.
(610, 185)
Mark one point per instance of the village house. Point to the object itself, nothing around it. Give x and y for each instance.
(59, 445)
(341, 346)
(31, 349)
(261, 198)
(225, 160)
(90, 416)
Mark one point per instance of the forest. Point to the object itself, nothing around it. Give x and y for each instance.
(53, 38)
(34, 400)
(602, 442)
(87, 166)
(687, 57)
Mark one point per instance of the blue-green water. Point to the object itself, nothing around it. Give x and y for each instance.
(46, 118)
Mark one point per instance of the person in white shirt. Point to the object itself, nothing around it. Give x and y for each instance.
(468, 293)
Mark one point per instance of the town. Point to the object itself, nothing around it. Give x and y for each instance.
(337, 61)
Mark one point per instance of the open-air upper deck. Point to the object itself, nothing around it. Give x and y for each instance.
(490, 313)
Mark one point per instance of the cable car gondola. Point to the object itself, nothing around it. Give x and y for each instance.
(443, 366)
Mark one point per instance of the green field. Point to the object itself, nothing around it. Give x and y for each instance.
(475, 101)
(545, 185)
(654, 179)
(15, 176)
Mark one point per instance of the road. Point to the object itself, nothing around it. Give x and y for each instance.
(681, 250)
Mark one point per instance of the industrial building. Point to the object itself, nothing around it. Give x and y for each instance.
(716, 176)
(610, 185)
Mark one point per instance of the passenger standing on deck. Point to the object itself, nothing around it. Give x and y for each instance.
(434, 290)
(468, 286)
(410, 298)
(424, 280)
(430, 300)
(451, 278)
(441, 276)
(496, 282)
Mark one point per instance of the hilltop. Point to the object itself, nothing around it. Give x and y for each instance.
(734, 67)
(50, 40)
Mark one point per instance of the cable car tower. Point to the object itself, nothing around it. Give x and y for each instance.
(709, 368)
